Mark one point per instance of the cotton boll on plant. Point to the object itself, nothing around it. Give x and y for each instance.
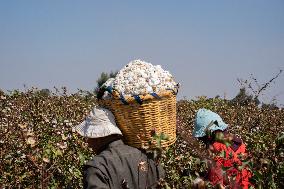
(140, 78)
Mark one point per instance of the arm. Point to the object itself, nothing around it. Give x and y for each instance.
(93, 178)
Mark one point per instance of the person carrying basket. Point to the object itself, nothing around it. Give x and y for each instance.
(142, 98)
(116, 165)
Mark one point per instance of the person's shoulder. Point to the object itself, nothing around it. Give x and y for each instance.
(121, 148)
(130, 148)
(115, 151)
(218, 146)
(127, 150)
(96, 161)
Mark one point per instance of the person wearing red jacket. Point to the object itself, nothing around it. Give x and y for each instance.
(226, 151)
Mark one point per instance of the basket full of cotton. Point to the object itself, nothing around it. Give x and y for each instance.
(142, 96)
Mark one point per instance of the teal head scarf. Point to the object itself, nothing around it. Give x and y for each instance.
(207, 120)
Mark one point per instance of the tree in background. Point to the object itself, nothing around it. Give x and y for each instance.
(243, 98)
(45, 92)
(256, 89)
(103, 78)
(1, 92)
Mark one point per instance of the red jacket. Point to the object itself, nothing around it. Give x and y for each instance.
(230, 161)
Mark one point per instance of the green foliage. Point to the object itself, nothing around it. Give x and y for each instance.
(39, 149)
(243, 98)
(104, 77)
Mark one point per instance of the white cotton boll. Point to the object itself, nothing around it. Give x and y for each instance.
(149, 89)
(127, 82)
(107, 95)
(109, 82)
(141, 80)
(158, 67)
(127, 90)
(140, 86)
(156, 82)
(131, 75)
(127, 78)
(135, 77)
(151, 82)
(143, 75)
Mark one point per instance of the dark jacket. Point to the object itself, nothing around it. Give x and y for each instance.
(121, 166)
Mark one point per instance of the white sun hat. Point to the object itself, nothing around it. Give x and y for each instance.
(99, 123)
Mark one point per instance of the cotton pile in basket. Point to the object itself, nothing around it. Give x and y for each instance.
(143, 101)
(139, 78)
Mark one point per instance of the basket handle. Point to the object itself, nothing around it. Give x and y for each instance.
(114, 93)
(155, 95)
(138, 99)
(109, 89)
(123, 100)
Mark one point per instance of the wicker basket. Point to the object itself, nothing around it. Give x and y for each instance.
(139, 116)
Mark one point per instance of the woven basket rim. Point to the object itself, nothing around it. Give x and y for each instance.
(130, 99)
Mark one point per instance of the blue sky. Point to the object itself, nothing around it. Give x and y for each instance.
(206, 45)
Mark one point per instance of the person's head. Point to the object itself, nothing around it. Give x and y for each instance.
(207, 125)
(99, 144)
(99, 128)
